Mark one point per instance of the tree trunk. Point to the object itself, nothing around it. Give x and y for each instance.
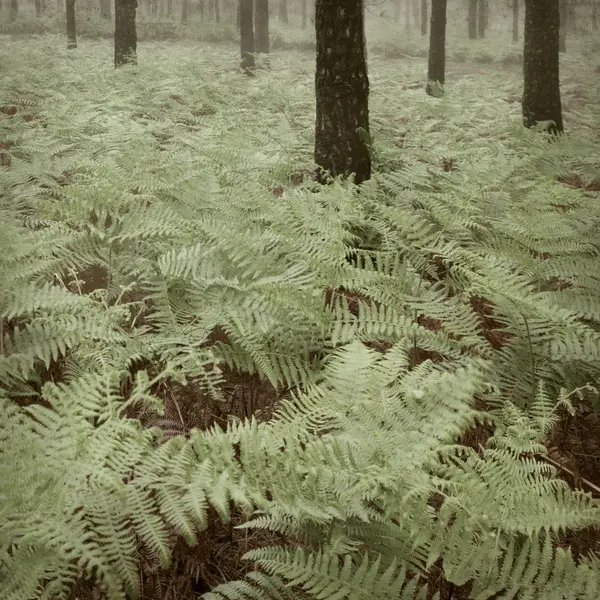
(304, 9)
(217, 11)
(571, 16)
(283, 11)
(562, 35)
(184, 12)
(594, 15)
(14, 9)
(407, 15)
(515, 15)
(436, 70)
(247, 36)
(125, 32)
(105, 10)
(424, 17)
(482, 18)
(342, 90)
(201, 7)
(169, 9)
(38, 9)
(261, 26)
(416, 13)
(71, 34)
(541, 94)
(473, 19)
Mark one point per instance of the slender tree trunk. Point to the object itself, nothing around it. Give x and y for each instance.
(14, 9)
(424, 17)
(184, 12)
(515, 15)
(304, 9)
(562, 35)
(106, 10)
(211, 11)
(201, 7)
(436, 70)
(38, 9)
(416, 10)
(238, 15)
(247, 36)
(594, 15)
(261, 26)
(71, 34)
(217, 11)
(473, 19)
(482, 18)
(283, 11)
(125, 33)
(407, 15)
(342, 90)
(571, 16)
(541, 94)
(169, 9)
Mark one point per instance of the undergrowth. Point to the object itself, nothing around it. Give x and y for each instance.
(162, 232)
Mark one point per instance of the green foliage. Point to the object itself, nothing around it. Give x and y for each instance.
(151, 236)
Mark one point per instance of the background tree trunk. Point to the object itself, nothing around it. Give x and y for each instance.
(482, 18)
(541, 93)
(562, 35)
(436, 69)
(407, 15)
(304, 9)
(342, 90)
(106, 10)
(424, 17)
(217, 11)
(473, 19)
(247, 35)
(169, 9)
(71, 34)
(515, 16)
(261, 26)
(14, 9)
(125, 32)
(184, 11)
(38, 8)
(594, 15)
(283, 11)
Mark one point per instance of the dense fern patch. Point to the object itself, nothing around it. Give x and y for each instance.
(161, 233)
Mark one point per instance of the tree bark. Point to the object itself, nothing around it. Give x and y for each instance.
(304, 9)
(261, 26)
(594, 15)
(342, 90)
(105, 10)
(515, 25)
(71, 34)
(424, 17)
(473, 19)
(482, 18)
(541, 94)
(247, 36)
(436, 70)
(125, 33)
(562, 32)
(283, 11)
(38, 9)
(14, 9)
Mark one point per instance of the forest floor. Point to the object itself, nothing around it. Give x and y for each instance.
(190, 103)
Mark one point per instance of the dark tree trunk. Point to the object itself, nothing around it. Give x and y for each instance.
(482, 18)
(515, 15)
(283, 11)
(125, 32)
(105, 10)
(217, 11)
(71, 34)
(304, 9)
(541, 94)
(261, 26)
(184, 12)
(201, 10)
(38, 8)
(473, 19)
(238, 15)
(342, 90)
(14, 9)
(247, 36)
(436, 71)
(424, 17)
(562, 32)
(594, 16)
(211, 11)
